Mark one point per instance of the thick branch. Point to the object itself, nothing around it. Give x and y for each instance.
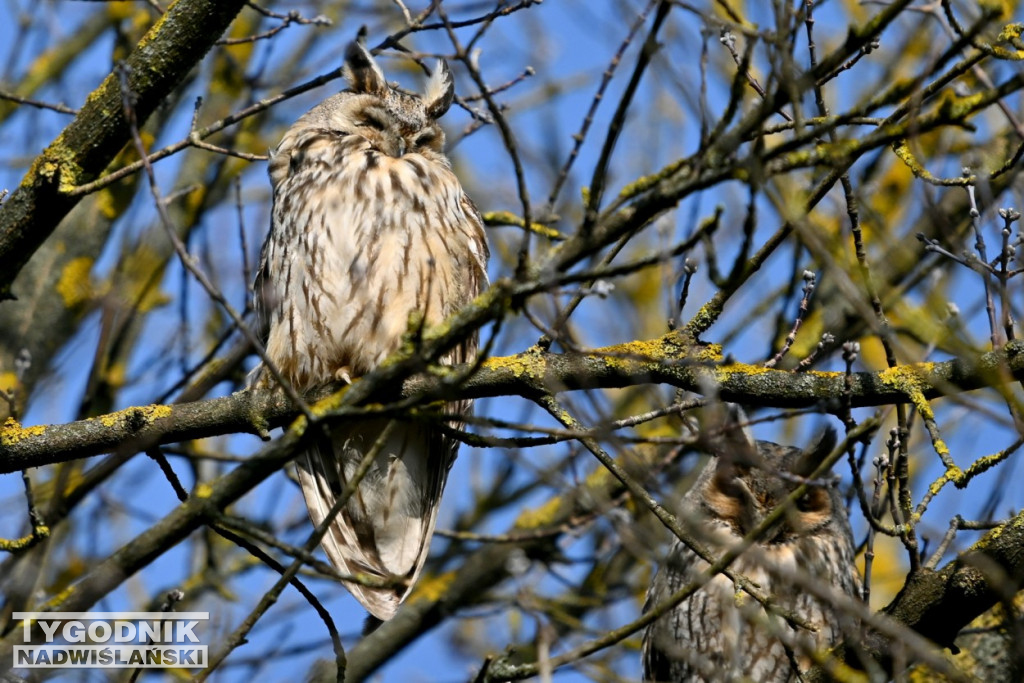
(666, 360)
(201, 506)
(939, 604)
(155, 67)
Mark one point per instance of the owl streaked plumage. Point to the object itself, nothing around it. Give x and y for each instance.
(717, 634)
(369, 226)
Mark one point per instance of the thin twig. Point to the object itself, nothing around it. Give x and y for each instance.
(809, 280)
(4, 95)
(588, 119)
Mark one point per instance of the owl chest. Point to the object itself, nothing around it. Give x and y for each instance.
(368, 243)
(746, 642)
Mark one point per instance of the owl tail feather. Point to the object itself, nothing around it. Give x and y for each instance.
(384, 529)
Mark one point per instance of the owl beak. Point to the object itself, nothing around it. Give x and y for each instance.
(776, 533)
(393, 146)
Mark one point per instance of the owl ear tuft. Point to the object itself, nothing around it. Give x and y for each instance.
(361, 69)
(810, 459)
(735, 445)
(737, 437)
(440, 91)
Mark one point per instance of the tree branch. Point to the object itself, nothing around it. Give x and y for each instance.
(161, 60)
(939, 604)
(666, 360)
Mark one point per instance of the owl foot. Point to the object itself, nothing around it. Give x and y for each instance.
(342, 374)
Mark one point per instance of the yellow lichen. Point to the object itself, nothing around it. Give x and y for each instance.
(517, 366)
(120, 11)
(983, 464)
(12, 432)
(134, 415)
(38, 534)
(1011, 33)
(499, 218)
(299, 426)
(540, 517)
(432, 588)
(69, 170)
(330, 403)
(725, 372)
(157, 412)
(633, 356)
(910, 380)
(708, 353)
(906, 155)
(58, 599)
(903, 377)
(116, 374)
(704, 318)
(202, 490)
(8, 381)
(139, 281)
(644, 183)
(106, 204)
(955, 473)
(74, 284)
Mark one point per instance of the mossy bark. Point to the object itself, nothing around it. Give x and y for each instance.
(156, 66)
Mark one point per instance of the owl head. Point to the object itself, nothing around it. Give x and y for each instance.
(747, 479)
(395, 122)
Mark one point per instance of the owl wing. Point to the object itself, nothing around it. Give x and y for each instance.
(263, 297)
(384, 530)
(666, 633)
(260, 303)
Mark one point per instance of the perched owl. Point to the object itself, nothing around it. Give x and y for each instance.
(718, 634)
(369, 226)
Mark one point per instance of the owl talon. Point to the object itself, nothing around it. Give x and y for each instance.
(342, 374)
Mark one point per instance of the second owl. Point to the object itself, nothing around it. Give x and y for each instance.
(720, 634)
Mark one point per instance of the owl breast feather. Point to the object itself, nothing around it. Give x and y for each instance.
(361, 240)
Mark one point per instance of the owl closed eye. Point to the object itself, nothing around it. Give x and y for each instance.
(741, 494)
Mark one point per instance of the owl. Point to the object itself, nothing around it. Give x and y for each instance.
(719, 634)
(369, 227)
